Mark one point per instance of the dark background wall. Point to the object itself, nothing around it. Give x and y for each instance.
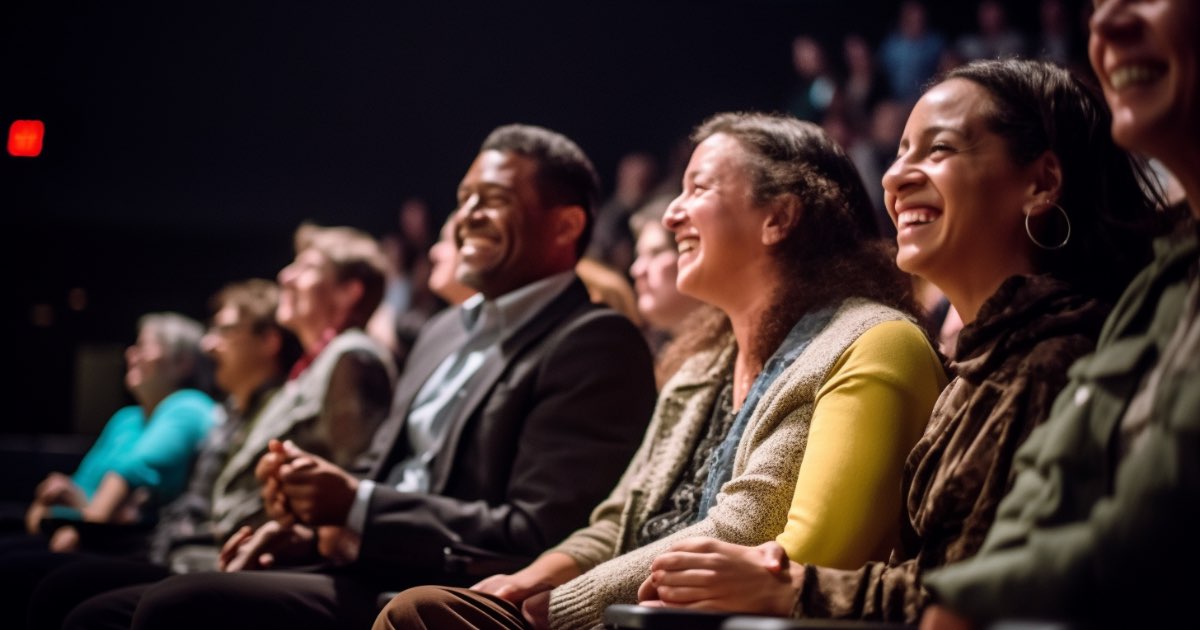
(186, 140)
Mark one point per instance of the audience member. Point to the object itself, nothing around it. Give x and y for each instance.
(443, 267)
(404, 307)
(609, 288)
(526, 385)
(251, 354)
(611, 242)
(813, 88)
(875, 153)
(338, 393)
(990, 150)
(774, 230)
(909, 55)
(1056, 42)
(863, 86)
(145, 450)
(992, 39)
(1107, 493)
(663, 307)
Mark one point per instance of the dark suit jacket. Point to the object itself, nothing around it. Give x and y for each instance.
(547, 428)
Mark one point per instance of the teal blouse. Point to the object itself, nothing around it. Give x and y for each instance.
(155, 454)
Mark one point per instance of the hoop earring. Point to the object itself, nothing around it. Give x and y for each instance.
(1066, 238)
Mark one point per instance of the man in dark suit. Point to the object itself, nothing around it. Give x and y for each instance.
(516, 413)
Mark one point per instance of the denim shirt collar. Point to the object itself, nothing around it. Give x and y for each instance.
(796, 342)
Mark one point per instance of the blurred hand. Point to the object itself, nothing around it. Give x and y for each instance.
(338, 544)
(64, 540)
(536, 610)
(714, 575)
(130, 510)
(33, 517)
(317, 491)
(59, 489)
(942, 618)
(271, 544)
(267, 473)
(515, 588)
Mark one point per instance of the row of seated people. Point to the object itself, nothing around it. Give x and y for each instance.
(799, 412)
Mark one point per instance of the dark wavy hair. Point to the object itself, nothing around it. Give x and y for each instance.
(833, 253)
(565, 175)
(1111, 198)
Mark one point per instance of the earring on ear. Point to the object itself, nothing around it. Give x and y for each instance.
(1042, 245)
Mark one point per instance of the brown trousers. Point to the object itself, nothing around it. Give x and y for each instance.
(440, 607)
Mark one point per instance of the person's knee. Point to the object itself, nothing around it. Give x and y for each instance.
(445, 606)
(410, 608)
(180, 602)
(102, 611)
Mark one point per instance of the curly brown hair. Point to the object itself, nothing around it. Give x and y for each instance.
(834, 252)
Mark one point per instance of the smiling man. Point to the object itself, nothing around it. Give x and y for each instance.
(515, 415)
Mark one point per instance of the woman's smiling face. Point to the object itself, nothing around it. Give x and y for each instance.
(715, 222)
(1146, 58)
(954, 192)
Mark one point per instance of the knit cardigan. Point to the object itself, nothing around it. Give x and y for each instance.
(752, 507)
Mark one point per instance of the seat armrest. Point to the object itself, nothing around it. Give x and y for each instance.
(751, 622)
(629, 617)
(473, 562)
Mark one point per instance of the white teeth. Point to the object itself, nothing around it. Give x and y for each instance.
(1133, 74)
(916, 217)
(687, 245)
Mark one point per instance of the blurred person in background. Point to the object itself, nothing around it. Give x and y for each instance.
(664, 309)
(813, 87)
(251, 354)
(145, 451)
(340, 389)
(909, 54)
(405, 305)
(863, 86)
(608, 287)
(612, 243)
(993, 38)
(443, 261)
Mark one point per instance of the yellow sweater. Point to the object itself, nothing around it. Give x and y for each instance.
(866, 417)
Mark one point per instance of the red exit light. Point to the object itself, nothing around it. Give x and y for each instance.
(25, 138)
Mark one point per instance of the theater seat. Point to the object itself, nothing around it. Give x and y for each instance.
(627, 617)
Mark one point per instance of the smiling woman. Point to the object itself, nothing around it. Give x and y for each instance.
(144, 448)
(1108, 491)
(981, 191)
